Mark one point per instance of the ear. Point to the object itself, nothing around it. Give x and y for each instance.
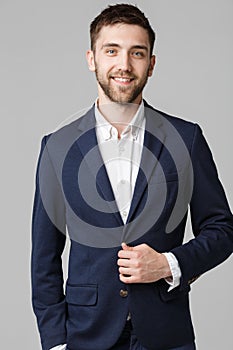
(152, 65)
(90, 60)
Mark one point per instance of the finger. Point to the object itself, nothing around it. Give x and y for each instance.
(140, 247)
(126, 271)
(123, 262)
(126, 247)
(126, 254)
(127, 279)
(129, 263)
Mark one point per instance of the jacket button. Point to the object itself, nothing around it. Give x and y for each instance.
(123, 293)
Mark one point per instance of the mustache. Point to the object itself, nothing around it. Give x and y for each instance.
(122, 75)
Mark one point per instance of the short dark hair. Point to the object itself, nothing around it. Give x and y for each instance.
(121, 13)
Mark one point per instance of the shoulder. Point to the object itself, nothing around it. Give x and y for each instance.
(71, 129)
(175, 120)
(186, 128)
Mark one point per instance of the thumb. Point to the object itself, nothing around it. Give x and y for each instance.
(126, 247)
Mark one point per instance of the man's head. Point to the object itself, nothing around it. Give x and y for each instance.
(122, 42)
(124, 14)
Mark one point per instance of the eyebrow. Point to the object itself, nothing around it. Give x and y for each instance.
(141, 47)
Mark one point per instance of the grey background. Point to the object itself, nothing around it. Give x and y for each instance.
(44, 79)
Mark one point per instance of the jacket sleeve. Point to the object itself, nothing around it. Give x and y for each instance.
(211, 218)
(48, 241)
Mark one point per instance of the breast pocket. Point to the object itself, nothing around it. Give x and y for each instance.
(159, 178)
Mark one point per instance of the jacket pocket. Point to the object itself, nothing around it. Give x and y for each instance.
(82, 294)
(158, 178)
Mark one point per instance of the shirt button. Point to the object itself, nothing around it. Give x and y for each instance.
(123, 182)
(124, 213)
(123, 293)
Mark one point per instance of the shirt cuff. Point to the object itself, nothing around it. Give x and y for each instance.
(59, 347)
(173, 281)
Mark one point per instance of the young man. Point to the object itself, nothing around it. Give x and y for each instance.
(121, 179)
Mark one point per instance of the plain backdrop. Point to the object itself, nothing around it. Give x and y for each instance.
(44, 80)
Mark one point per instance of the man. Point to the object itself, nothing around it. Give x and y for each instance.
(121, 179)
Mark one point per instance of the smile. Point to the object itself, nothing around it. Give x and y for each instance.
(122, 80)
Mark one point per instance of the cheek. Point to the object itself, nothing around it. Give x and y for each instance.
(104, 66)
(144, 72)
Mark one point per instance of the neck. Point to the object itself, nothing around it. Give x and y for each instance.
(118, 114)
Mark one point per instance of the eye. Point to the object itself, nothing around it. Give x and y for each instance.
(111, 52)
(138, 54)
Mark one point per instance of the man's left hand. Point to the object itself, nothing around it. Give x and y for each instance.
(142, 264)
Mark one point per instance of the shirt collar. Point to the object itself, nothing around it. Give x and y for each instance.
(108, 130)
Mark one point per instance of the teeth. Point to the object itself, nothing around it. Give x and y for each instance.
(122, 80)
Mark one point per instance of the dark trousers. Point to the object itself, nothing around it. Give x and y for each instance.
(128, 341)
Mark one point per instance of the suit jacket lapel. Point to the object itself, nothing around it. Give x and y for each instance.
(87, 143)
(153, 144)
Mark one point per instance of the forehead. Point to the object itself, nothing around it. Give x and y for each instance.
(123, 34)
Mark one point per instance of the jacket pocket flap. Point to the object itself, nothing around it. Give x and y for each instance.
(81, 294)
(157, 179)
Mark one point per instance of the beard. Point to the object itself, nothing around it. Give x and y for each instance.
(121, 94)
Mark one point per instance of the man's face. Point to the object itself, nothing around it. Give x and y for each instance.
(122, 63)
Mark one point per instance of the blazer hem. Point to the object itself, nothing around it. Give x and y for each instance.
(54, 340)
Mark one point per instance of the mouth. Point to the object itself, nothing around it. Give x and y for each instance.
(123, 80)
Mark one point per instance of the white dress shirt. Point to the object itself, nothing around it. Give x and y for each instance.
(122, 161)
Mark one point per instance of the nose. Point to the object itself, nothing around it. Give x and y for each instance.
(124, 63)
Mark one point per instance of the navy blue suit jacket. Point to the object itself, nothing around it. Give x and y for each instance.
(177, 174)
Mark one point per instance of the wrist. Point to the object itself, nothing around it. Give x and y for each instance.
(165, 267)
